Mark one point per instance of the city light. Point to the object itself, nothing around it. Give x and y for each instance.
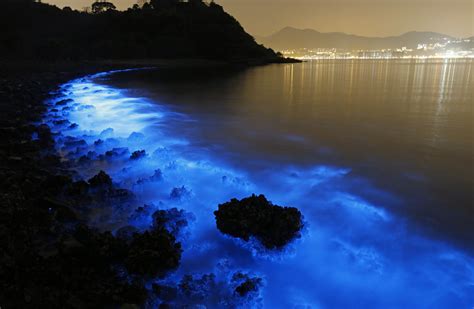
(445, 49)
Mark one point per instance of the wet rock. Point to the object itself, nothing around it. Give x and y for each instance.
(157, 176)
(84, 160)
(141, 213)
(274, 226)
(172, 220)
(197, 288)
(153, 254)
(180, 193)
(119, 195)
(246, 284)
(117, 152)
(44, 135)
(64, 102)
(40, 236)
(74, 143)
(55, 184)
(165, 292)
(126, 233)
(51, 160)
(78, 189)
(98, 142)
(101, 180)
(139, 154)
(61, 122)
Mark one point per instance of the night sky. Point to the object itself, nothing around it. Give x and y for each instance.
(362, 17)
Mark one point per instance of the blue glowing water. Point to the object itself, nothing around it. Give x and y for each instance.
(354, 251)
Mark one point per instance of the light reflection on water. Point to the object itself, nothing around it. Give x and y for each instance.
(406, 126)
(355, 251)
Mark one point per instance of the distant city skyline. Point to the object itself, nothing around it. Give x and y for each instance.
(360, 17)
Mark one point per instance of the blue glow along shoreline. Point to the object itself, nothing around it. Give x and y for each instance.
(349, 245)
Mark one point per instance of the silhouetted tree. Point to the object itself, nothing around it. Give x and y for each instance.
(102, 6)
(147, 6)
(163, 4)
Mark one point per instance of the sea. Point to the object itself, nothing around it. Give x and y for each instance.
(377, 155)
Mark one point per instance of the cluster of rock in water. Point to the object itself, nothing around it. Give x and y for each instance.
(255, 217)
(58, 259)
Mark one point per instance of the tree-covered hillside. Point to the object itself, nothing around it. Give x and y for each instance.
(160, 29)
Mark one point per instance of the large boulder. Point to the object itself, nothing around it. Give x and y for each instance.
(274, 226)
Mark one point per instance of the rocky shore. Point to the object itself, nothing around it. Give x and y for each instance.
(51, 253)
(50, 257)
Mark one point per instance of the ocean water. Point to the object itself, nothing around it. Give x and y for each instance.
(377, 155)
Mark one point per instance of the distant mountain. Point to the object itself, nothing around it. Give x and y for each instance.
(292, 38)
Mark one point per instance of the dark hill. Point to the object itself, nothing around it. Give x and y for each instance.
(30, 30)
(291, 38)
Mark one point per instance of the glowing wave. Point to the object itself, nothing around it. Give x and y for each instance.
(353, 254)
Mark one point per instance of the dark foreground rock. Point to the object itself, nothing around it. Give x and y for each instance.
(274, 226)
(237, 290)
(49, 256)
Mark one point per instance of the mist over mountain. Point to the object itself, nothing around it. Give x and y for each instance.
(292, 38)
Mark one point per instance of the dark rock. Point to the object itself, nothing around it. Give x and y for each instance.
(55, 184)
(197, 288)
(165, 292)
(51, 160)
(274, 226)
(138, 155)
(98, 142)
(64, 102)
(126, 233)
(153, 254)
(180, 193)
(78, 189)
(74, 142)
(61, 122)
(172, 220)
(157, 176)
(40, 233)
(83, 160)
(101, 180)
(248, 285)
(141, 213)
(44, 135)
(117, 152)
